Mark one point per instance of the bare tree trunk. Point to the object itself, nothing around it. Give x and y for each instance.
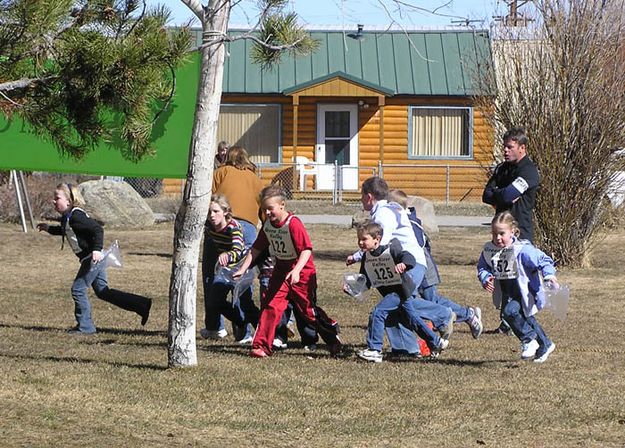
(192, 213)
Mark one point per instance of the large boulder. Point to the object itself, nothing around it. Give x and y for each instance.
(425, 212)
(116, 204)
(423, 207)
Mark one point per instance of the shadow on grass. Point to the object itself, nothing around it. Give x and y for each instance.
(74, 359)
(150, 254)
(117, 331)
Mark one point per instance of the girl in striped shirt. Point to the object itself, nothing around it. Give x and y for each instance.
(223, 246)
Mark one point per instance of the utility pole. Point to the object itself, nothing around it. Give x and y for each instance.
(514, 17)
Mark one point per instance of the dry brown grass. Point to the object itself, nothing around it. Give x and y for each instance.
(114, 388)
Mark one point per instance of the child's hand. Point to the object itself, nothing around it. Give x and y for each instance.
(237, 275)
(553, 283)
(293, 276)
(96, 256)
(42, 226)
(400, 268)
(350, 260)
(223, 259)
(489, 284)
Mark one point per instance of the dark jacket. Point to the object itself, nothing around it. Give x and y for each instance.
(89, 235)
(500, 191)
(407, 286)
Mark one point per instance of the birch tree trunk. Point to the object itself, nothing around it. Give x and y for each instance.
(192, 213)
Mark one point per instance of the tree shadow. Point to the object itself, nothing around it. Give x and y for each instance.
(74, 359)
(101, 330)
(151, 254)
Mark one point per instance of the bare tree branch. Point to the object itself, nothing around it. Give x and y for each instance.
(196, 7)
(18, 84)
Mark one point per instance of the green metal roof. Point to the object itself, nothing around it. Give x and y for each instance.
(395, 62)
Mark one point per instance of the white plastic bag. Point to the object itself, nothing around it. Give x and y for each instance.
(224, 274)
(112, 257)
(355, 285)
(557, 300)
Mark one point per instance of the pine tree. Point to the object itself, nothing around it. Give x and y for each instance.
(82, 72)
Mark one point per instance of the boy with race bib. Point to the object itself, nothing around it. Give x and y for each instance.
(511, 269)
(386, 269)
(294, 277)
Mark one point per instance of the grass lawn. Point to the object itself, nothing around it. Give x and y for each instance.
(114, 388)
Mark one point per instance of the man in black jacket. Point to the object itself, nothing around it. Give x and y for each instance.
(514, 183)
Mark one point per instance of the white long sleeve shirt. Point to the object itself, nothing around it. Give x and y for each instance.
(395, 224)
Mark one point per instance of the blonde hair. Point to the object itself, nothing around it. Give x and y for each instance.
(238, 157)
(72, 193)
(272, 191)
(222, 201)
(508, 219)
(398, 196)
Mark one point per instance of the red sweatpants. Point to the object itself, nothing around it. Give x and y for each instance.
(278, 294)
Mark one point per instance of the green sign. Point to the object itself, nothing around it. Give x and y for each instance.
(171, 135)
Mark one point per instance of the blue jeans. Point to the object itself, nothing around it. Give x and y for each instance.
(431, 294)
(379, 314)
(437, 314)
(95, 277)
(524, 328)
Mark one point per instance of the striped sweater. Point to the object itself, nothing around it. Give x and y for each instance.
(229, 239)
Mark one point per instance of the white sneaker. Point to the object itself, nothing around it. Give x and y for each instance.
(528, 350)
(278, 344)
(475, 323)
(246, 340)
(213, 334)
(310, 348)
(442, 345)
(542, 358)
(370, 355)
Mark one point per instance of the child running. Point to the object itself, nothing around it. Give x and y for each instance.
(427, 289)
(294, 277)
(224, 246)
(510, 269)
(386, 267)
(85, 236)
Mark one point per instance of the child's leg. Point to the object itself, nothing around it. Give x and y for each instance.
(375, 329)
(418, 325)
(273, 305)
(218, 304)
(125, 300)
(431, 294)
(513, 315)
(82, 306)
(208, 275)
(541, 337)
(401, 339)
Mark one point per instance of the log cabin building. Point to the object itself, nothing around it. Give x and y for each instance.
(402, 104)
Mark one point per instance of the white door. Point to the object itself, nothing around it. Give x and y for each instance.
(337, 140)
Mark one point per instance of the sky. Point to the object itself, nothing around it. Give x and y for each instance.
(348, 13)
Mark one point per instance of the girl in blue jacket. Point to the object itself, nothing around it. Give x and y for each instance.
(511, 269)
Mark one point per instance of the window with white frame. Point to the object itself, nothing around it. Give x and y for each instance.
(439, 132)
(256, 127)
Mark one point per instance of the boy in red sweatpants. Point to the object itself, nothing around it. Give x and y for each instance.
(294, 277)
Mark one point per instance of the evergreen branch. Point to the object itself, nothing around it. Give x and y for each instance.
(10, 100)
(171, 93)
